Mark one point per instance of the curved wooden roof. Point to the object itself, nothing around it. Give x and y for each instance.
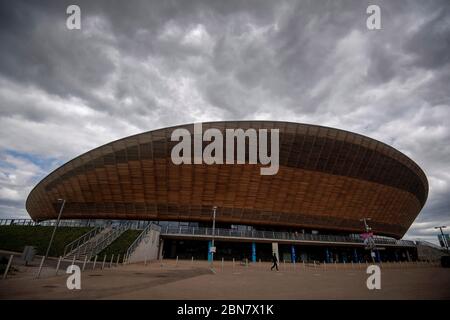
(328, 179)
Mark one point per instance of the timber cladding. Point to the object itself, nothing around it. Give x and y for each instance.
(328, 179)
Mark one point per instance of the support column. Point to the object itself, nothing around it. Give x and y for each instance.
(378, 255)
(293, 256)
(355, 255)
(275, 250)
(161, 247)
(209, 251)
(408, 256)
(253, 252)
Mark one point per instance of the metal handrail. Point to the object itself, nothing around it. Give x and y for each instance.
(150, 226)
(81, 240)
(107, 239)
(277, 235)
(429, 244)
(91, 248)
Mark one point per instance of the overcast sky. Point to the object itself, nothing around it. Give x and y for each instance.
(140, 65)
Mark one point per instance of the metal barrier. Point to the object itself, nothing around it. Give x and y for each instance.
(275, 235)
(134, 224)
(185, 230)
(47, 223)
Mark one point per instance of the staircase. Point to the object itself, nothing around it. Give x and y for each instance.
(146, 245)
(92, 243)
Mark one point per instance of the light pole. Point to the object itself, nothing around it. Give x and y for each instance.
(366, 226)
(444, 240)
(56, 226)
(213, 234)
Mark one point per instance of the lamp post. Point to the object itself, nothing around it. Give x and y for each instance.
(56, 226)
(366, 226)
(444, 240)
(213, 234)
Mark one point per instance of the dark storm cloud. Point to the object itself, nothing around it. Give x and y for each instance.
(140, 65)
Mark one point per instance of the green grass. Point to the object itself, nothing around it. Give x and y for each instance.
(15, 238)
(119, 246)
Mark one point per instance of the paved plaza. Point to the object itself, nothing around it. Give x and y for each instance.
(195, 280)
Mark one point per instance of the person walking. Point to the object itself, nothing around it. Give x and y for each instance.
(275, 261)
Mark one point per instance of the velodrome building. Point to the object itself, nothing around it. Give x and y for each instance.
(328, 181)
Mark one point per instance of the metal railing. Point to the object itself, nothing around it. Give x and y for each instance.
(97, 242)
(185, 230)
(107, 239)
(134, 224)
(276, 235)
(135, 244)
(47, 223)
(429, 244)
(81, 240)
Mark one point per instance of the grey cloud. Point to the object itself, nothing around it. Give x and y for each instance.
(430, 43)
(141, 65)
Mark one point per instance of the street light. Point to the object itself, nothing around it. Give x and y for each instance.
(213, 234)
(366, 226)
(56, 226)
(444, 240)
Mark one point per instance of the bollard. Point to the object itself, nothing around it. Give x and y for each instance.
(246, 262)
(57, 265)
(95, 261)
(359, 264)
(260, 265)
(304, 267)
(40, 267)
(118, 258)
(335, 265)
(11, 257)
(84, 263)
(111, 261)
(145, 260)
(233, 264)
(314, 264)
(192, 261)
(176, 262)
(352, 265)
(284, 265)
(344, 264)
(104, 259)
(325, 265)
(222, 264)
